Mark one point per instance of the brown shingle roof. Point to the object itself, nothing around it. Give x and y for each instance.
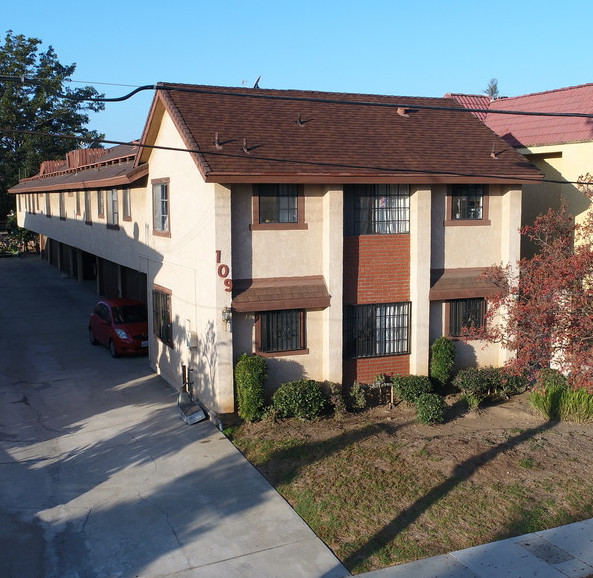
(460, 284)
(340, 137)
(105, 168)
(280, 293)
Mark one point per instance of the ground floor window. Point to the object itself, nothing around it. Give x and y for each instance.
(377, 330)
(161, 315)
(466, 314)
(281, 331)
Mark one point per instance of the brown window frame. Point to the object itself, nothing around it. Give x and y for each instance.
(451, 221)
(112, 216)
(100, 204)
(302, 350)
(126, 204)
(88, 215)
(47, 205)
(159, 183)
(298, 225)
(157, 320)
(449, 316)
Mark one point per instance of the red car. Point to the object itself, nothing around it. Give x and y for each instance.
(121, 325)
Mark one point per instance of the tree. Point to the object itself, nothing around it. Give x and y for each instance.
(544, 311)
(33, 97)
(492, 89)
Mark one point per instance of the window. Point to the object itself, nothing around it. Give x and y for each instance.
(282, 331)
(376, 209)
(160, 206)
(161, 315)
(87, 208)
(100, 204)
(127, 204)
(278, 203)
(78, 202)
(467, 202)
(466, 314)
(377, 330)
(62, 203)
(112, 213)
(47, 205)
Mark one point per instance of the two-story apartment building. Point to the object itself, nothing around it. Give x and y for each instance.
(336, 234)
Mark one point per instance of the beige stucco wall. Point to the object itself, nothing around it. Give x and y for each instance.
(469, 246)
(316, 250)
(186, 264)
(563, 162)
(119, 246)
(420, 250)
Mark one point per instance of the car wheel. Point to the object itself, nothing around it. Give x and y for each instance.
(92, 337)
(113, 349)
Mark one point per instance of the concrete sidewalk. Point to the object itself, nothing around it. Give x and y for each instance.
(100, 477)
(555, 553)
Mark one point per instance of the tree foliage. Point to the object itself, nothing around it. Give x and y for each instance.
(544, 311)
(34, 97)
(492, 91)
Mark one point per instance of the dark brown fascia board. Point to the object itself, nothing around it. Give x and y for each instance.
(276, 305)
(414, 179)
(155, 115)
(127, 179)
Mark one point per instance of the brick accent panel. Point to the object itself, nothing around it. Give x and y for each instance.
(365, 370)
(376, 269)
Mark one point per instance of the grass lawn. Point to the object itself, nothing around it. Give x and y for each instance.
(380, 489)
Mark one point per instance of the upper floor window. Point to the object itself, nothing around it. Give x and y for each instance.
(376, 209)
(100, 204)
(465, 315)
(112, 210)
(127, 202)
(278, 203)
(47, 205)
(282, 331)
(87, 207)
(78, 202)
(467, 202)
(160, 206)
(377, 330)
(278, 206)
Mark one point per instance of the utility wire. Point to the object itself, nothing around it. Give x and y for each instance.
(283, 160)
(259, 94)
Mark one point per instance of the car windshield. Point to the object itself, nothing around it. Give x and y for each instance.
(129, 314)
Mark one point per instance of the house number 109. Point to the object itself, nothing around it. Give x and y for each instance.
(223, 272)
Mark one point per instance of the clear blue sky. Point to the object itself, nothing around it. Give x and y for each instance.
(412, 48)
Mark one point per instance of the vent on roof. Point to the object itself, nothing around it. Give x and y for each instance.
(402, 111)
(217, 142)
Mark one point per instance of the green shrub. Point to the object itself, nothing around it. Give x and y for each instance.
(442, 361)
(554, 398)
(303, 399)
(250, 375)
(336, 399)
(410, 387)
(431, 408)
(487, 383)
(356, 397)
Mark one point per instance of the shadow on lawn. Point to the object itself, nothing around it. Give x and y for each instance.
(461, 473)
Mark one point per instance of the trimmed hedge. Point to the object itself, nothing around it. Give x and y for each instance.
(250, 374)
(303, 399)
(442, 361)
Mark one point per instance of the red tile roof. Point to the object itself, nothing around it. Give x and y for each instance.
(299, 136)
(528, 131)
(472, 101)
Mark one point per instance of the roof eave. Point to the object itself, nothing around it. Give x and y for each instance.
(127, 179)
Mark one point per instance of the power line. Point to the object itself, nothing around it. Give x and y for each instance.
(293, 161)
(260, 94)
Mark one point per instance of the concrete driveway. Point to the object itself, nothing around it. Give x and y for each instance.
(99, 476)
